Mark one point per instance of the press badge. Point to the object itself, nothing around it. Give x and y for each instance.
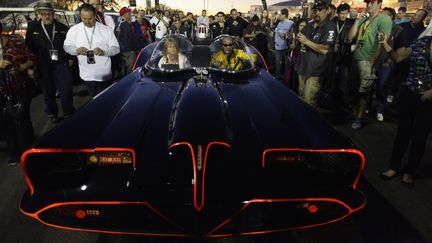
(53, 54)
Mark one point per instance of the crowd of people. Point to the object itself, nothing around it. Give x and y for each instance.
(337, 59)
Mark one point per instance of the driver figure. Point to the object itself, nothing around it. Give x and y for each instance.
(230, 58)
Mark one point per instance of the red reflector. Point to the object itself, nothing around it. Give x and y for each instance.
(312, 209)
(80, 214)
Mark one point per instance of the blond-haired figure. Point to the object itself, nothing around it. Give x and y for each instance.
(172, 55)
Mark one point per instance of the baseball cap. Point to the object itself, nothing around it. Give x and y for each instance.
(125, 10)
(44, 5)
(320, 5)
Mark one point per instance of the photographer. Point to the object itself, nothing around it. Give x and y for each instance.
(93, 43)
(16, 91)
(160, 24)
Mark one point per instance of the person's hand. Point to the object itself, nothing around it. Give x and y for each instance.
(382, 37)
(302, 38)
(31, 74)
(217, 64)
(98, 52)
(426, 95)
(4, 64)
(81, 51)
(362, 16)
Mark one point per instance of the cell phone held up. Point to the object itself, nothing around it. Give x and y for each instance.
(90, 57)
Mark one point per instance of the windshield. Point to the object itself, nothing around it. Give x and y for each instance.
(172, 53)
(225, 54)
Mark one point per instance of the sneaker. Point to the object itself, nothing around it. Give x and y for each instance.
(357, 124)
(54, 119)
(12, 162)
(380, 116)
(390, 98)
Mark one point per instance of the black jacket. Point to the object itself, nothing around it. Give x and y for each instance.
(38, 42)
(127, 39)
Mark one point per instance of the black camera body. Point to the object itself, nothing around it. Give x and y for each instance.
(90, 57)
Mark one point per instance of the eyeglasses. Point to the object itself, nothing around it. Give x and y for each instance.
(226, 45)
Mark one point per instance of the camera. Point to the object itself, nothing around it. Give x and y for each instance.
(90, 57)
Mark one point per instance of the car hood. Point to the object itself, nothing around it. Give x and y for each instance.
(141, 113)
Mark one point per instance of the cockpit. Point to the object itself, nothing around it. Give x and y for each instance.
(225, 54)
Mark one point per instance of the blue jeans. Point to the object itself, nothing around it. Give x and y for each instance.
(59, 78)
(280, 56)
(383, 88)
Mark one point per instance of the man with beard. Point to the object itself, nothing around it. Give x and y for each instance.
(45, 38)
(317, 40)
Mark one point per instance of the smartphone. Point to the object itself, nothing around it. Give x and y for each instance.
(90, 57)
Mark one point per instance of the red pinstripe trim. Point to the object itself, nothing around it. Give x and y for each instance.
(199, 206)
(52, 150)
(353, 151)
(247, 203)
(36, 216)
(138, 56)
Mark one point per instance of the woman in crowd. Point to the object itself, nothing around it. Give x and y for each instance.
(172, 56)
(291, 76)
(16, 91)
(415, 108)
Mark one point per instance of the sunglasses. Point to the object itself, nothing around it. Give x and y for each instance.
(226, 45)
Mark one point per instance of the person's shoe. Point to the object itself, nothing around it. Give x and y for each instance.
(12, 162)
(357, 124)
(390, 99)
(388, 174)
(407, 180)
(380, 116)
(54, 119)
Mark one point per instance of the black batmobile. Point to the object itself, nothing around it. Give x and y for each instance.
(196, 151)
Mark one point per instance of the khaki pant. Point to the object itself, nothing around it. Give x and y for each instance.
(367, 75)
(128, 60)
(308, 89)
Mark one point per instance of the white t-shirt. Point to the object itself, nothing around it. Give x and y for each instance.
(183, 61)
(161, 28)
(103, 38)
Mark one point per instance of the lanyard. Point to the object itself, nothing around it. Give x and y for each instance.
(51, 40)
(90, 41)
(339, 30)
